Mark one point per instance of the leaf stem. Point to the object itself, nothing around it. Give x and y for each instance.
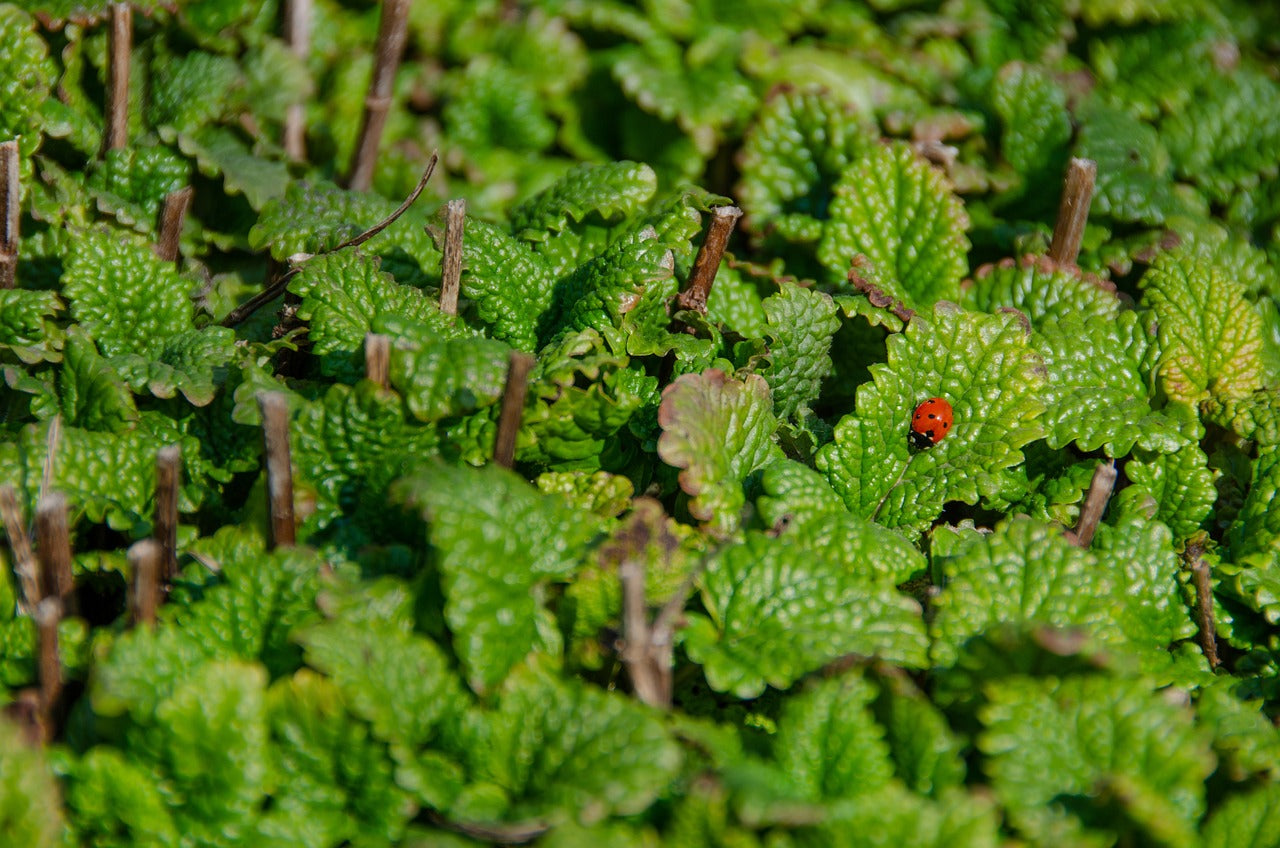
(451, 265)
(297, 34)
(24, 558)
(1073, 211)
(275, 432)
(377, 358)
(1104, 480)
(10, 204)
(53, 547)
(392, 31)
(117, 107)
(172, 215)
(698, 287)
(146, 563)
(504, 445)
(165, 532)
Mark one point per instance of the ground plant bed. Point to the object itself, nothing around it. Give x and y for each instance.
(779, 423)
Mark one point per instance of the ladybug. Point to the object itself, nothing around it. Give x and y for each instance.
(931, 422)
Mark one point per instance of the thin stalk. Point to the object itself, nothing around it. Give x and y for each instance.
(24, 559)
(504, 446)
(275, 431)
(10, 203)
(451, 266)
(391, 38)
(297, 34)
(120, 46)
(377, 358)
(47, 615)
(145, 561)
(1073, 211)
(172, 215)
(1104, 480)
(53, 547)
(1207, 628)
(698, 287)
(168, 468)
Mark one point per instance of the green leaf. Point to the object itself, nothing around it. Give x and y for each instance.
(1135, 183)
(91, 394)
(607, 495)
(793, 154)
(1099, 393)
(26, 78)
(1041, 289)
(491, 579)
(191, 90)
(1058, 749)
(926, 754)
(30, 813)
(718, 430)
(792, 491)
(131, 183)
(399, 682)
(576, 217)
(735, 302)
(510, 283)
(25, 322)
(448, 377)
(1247, 820)
(561, 748)
(801, 325)
(344, 295)
(1180, 483)
(1257, 525)
(1244, 738)
(1032, 107)
(129, 300)
(330, 780)
(894, 816)
(1140, 555)
(981, 364)
(1210, 335)
(828, 741)
(113, 802)
(898, 211)
(494, 107)
(220, 152)
(193, 362)
(778, 609)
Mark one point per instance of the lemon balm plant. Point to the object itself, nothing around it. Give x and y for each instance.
(341, 515)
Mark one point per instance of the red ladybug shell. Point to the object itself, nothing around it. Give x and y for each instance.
(931, 422)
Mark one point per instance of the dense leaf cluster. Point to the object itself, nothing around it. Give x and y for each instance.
(871, 643)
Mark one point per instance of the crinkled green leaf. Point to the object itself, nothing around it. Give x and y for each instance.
(791, 491)
(829, 742)
(717, 430)
(1256, 417)
(574, 219)
(792, 156)
(495, 107)
(25, 325)
(345, 294)
(1181, 484)
(193, 362)
(1134, 66)
(1135, 181)
(735, 303)
(511, 284)
(565, 749)
(30, 812)
(1244, 738)
(605, 494)
(497, 539)
(220, 152)
(191, 90)
(1140, 554)
(330, 780)
(1041, 289)
(1032, 107)
(927, 755)
(1084, 746)
(1210, 335)
(1257, 525)
(91, 394)
(399, 682)
(26, 77)
(114, 803)
(1228, 137)
(1099, 393)
(129, 300)
(1247, 820)
(451, 376)
(898, 210)
(985, 368)
(801, 325)
(778, 609)
(132, 182)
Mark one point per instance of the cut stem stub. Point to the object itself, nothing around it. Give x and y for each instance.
(698, 287)
(275, 434)
(1073, 211)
